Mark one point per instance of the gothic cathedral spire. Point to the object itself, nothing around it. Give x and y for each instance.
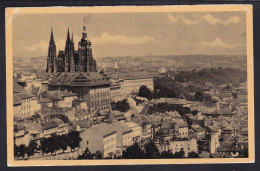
(51, 58)
(69, 54)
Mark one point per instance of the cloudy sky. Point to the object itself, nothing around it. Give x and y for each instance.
(135, 34)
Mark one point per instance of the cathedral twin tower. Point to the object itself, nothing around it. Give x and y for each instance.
(70, 60)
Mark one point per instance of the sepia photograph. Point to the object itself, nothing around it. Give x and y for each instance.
(130, 85)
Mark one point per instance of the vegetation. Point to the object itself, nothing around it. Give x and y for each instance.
(215, 76)
(133, 152)
(151, 151)
(164, 107)
(190, 84)
(144, 91)
(121, 106)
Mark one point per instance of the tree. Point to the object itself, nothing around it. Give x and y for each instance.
(144, 91)
(21, 150)
(44, 146)
(33, 145)
(63, 139)
(179, 154)
(133, 152)
(16, 151)
(121, 106)
(166, 155)
(151, 150)
(86, 155)
(98, 155)
(193, 155)
(29, 151)
(74, 140)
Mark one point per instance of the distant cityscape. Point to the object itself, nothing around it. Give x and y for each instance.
(69, 105)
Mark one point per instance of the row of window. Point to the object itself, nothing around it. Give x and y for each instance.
(26, 100)
(101, 94)
(25, 107)
(182, 145)
(127, 137)
(25, 114)
(100, 102)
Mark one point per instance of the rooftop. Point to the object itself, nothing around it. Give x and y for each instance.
(16, 87)
(16, 100)
(25, 95)
(79, 79)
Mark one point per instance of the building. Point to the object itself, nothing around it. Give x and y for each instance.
(25, 105)
(70, 60)
(46, 114)
(60, 98)
(92, 87)
(17, 106)
(80, 104)
(132, 81)
(115, 90)
(199, 131)
(99, 138)
(55, 126)
(136, 129)
(183, 144)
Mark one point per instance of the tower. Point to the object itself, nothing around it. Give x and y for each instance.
(69, 54)
(51, 55)
(86, 61)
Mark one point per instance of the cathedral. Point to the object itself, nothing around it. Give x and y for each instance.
(70, 60)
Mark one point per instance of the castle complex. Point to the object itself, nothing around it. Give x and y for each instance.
(70, 60)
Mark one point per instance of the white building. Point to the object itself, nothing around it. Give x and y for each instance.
(184, 144)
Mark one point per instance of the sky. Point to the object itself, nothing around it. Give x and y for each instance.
(134, 34)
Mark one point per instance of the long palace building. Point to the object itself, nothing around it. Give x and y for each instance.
(70, 60)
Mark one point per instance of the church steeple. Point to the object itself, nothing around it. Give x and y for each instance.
(84, 32)
(51, 55)
(52, 38)
(68, 36)
(72, 38)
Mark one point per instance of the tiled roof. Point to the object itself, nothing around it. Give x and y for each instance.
(16, 87)
(86, 123)
(45, 100)
(79, 79)
(16, 100)
(35, 90)
(197, 128)
(54, 111)
(101, 129)
(25, 95)
(51, 124)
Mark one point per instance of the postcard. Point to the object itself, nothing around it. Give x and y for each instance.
(130, 85)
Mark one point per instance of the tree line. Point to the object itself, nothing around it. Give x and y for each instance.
(49, 145)
(150, 151)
